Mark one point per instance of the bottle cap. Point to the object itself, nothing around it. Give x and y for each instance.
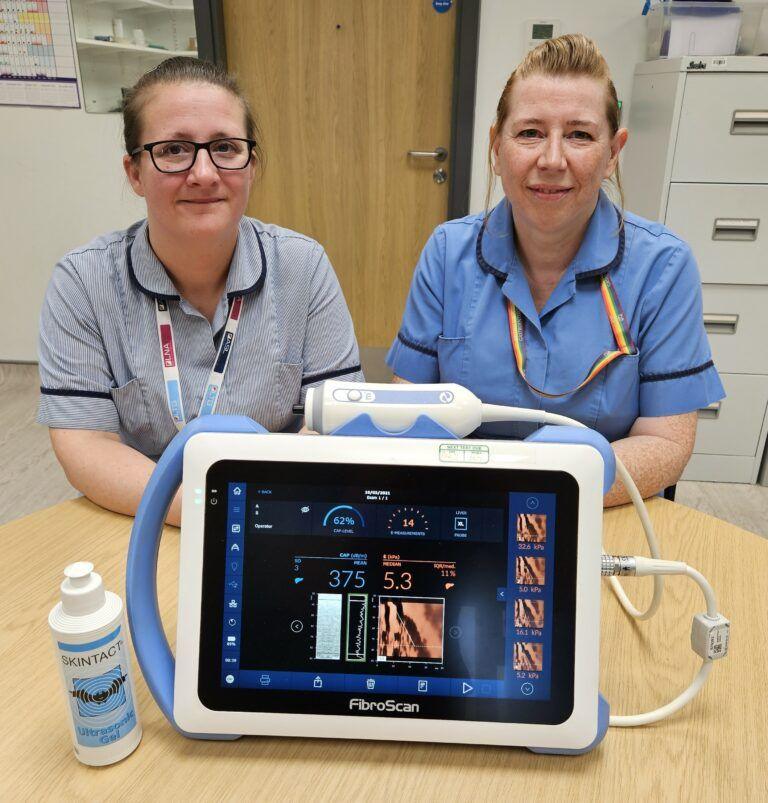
(83, 591)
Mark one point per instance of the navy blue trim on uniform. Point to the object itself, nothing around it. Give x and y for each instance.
(614, 263)
(255, 287)
(486, 266)
(88, 394)
(502, 275)
(259, 283)
(677, 374)
(308, 380)
(415, 346)
(132, 273)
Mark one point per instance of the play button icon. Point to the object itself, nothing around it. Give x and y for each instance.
(466, 688)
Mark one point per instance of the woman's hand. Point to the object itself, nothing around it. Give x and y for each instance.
(109, 473)
(655, 453)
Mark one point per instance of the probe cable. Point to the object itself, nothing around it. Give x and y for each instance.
(709, 631)
(497, 412)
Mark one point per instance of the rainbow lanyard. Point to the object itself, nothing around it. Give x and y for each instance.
(171, 364)
(621, 334)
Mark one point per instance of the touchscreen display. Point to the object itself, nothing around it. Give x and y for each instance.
(382, 587)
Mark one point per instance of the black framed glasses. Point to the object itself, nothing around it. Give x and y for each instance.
(178, 155)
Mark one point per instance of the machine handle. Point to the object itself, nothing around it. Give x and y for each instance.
(743, 229)
(750, 122)
(720, 324)
(152, 651)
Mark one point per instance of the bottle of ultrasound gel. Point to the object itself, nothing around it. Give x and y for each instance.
(90, 639)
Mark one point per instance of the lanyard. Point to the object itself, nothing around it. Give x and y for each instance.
(618, 322)
(171, 365)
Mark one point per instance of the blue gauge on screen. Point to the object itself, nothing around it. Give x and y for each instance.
(343, 520)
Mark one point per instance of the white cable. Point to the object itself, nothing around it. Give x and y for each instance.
(644, 567)
(498, 412)
(633, 720)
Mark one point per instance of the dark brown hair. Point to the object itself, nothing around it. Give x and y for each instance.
(571, 54)
(183, 70)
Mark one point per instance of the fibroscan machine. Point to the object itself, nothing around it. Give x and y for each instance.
(390, 579)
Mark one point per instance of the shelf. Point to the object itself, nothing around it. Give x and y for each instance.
(140, 5)
(96, 45)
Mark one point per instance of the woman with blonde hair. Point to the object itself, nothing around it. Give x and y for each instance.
(557, 298)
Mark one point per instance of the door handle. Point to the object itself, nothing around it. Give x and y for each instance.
(438, 154)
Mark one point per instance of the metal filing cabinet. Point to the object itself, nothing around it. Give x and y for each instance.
(697, 160)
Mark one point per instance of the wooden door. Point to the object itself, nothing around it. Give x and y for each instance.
(343, 89)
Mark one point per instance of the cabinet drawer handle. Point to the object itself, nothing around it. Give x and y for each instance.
(720, 324)
(735, 228)
(750, 122)
(710, 411)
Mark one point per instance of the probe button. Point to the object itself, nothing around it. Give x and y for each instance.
(354, 395)
(368, 396)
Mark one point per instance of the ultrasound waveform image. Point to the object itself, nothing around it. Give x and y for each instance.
(529, 613)
(411, 629)
(532, 527)
(529, 571)
(528, 656)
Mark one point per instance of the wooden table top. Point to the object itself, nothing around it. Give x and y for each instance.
(716, 748)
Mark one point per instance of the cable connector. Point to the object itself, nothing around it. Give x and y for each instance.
(616, 565)
(710, 636)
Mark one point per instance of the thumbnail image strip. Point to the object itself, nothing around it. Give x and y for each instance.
(328, 634)
(528, 656)
(410, 629)
(529, 613)
(357, 624)
(532, 527)
(529, 571)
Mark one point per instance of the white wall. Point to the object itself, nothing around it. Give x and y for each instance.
(61, 180)
(616, 26)
(61, 184)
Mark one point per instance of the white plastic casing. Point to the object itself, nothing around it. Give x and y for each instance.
(582, 462)
(710, 636)
(335, 403)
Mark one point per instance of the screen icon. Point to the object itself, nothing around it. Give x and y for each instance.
(235, 528)
(237, 491)
(234, 548)
(265, 680)
(231, 641)
(370, 684)
(318, 682)
(232, 603)
(423, 686)
(460, 523)
(527, 689)
(232, 622)
(230, 679)
(466, 688)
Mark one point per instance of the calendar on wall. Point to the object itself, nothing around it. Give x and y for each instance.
(37, 57)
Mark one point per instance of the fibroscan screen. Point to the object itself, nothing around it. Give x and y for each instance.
(381, 590)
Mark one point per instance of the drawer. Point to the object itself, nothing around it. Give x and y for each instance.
(732, 426)
(736, 320)
(726, 225)
(723, 131)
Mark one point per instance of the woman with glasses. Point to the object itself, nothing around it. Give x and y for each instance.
(193, 310)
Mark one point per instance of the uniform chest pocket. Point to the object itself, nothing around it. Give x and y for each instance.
(286, 392)
(619, 403)
(452, 358)
(136, 425)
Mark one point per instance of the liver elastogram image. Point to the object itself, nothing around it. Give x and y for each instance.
(532, 527)
(529, 571)
(528, 656)
(529, 613)
(411, 629)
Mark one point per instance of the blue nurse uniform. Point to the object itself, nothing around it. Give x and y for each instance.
(455, 327)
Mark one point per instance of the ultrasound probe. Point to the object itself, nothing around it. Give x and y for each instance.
(395, 408)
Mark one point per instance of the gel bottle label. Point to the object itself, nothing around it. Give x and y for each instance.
(99, 689)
